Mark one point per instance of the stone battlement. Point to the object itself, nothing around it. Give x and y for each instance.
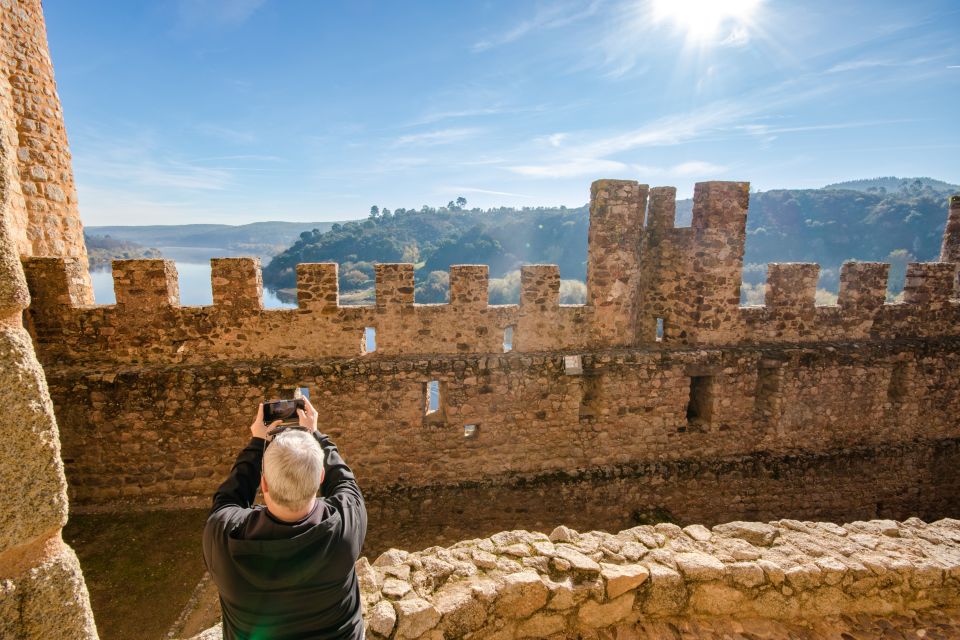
(641, 271)
(774, 580)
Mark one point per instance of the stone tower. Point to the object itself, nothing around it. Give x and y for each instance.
(44, 219)
(42, 591)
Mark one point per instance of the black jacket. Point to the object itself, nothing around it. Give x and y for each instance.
(278, 580)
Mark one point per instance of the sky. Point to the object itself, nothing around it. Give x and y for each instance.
(234, 111)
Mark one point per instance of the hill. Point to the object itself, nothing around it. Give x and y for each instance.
(258, 238)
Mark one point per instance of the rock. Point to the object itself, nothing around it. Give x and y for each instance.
(667, 594)
(622, 578)
(484, 559)
(460, 612)
(716, 599)
(518, 550)
(395, 589)
(698, 532)
(382, 618)
(699, 566)
(595, 615)
(578, 561)
(391, 558)
(563, 534)
(415, 616)
(542, 625)
(522, 593)
(368, 581)
(746, 574)
(756, 533)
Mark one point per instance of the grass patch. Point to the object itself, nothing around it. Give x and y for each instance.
(140, 568)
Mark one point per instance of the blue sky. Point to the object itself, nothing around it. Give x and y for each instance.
(233, 111)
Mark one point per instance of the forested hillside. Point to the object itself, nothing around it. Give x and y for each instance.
(888, 219)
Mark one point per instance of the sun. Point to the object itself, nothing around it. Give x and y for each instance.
(704, 21)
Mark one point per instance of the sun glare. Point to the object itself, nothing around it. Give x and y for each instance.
(705, 21)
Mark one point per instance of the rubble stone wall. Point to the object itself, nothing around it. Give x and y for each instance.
(782, 579)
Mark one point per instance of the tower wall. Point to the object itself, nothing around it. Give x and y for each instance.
(44, 217)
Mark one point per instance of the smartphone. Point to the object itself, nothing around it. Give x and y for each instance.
(283, 410)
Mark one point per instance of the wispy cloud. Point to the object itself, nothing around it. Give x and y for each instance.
(437, 137)
(482, 191)
(433, 117)
(873, 63)
(545, 18)
(229, 134)
(570, 168)
(220, 13)
(953, 66)
(696, 168)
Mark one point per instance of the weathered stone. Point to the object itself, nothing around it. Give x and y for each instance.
(522, 594)
(382, 618)
(541, 625)
(577, 560)
(622, 578)
(593, 614)
(756, 533)
(415, 617)
(699, 566)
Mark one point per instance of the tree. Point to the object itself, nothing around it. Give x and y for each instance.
(374, 211)
(461, 202)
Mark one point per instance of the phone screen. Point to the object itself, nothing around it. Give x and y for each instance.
(283, 410)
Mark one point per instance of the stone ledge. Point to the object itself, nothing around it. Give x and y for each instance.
(776, 579)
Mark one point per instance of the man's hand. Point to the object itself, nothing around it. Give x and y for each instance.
(308, 415)
(258, 429)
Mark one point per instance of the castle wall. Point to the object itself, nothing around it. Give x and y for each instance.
(155, 394)
(45, 220)
(161, 432)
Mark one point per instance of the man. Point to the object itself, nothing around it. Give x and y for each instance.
(286, 570)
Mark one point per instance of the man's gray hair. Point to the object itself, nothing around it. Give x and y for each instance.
(293, 468)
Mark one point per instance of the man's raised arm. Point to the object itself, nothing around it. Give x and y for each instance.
(240, 487)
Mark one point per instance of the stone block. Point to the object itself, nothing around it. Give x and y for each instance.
(792, 284)
(394, 284)
(539, 285)
(863, 285)
(56, 283)
(663, 208)
(929, 283)
(237, 283)
(469, 285)
(721, 206)
(318, 285)
(144, 285)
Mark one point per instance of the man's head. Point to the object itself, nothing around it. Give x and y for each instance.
(292, 471)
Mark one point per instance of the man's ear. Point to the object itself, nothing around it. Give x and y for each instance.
(263, 485)
(323, 474)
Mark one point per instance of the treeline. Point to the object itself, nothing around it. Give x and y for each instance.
(863, 220)
(102, 250)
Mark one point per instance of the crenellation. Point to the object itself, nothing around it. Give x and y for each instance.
(237, 283)
(863, 286)
(617, 213)
(539, 287)
(57, 283)
(144, 286)
(469, 285)
(950, 249)
(792, 285)
(663, 208)
(930, 284)
(318, 286)
(394, 284)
